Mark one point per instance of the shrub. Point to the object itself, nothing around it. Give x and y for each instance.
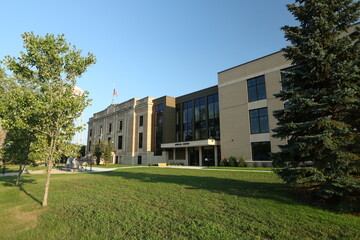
(242, 162)
(223, 162)
(233, 162)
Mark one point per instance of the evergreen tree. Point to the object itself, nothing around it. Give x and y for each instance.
(322, 94)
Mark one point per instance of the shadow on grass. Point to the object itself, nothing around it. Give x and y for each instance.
(274, 191)
(9, 181)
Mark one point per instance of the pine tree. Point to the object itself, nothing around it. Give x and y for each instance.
(322, 96)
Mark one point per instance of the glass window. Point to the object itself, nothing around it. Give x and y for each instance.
(259, 122)
(140, 140)
(120, 140)
(256, 88)
(110, 127)
(90, 132)
(159, 122)
(213, 117)
(141, 121)
(120, 125)
(260, 151)
(100, 130)
(187, 121)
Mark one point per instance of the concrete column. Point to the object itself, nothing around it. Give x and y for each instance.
(216, 155)
(174, 156)
(186, 156)
(200, 157)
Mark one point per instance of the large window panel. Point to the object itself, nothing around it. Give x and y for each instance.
(259, 121)
(256, 89)
(260, 151)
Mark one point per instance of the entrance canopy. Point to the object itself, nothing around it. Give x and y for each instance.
(199, 143)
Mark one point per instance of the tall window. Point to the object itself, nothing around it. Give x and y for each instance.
(90, 132)
(89, 146)
(213, 116)
(140, 140)
(187, 121)
(100, 130)
(141, 121)
(178, 123)
(159, 122)
(259, 122)
(110, 125)
(200, 118)
(120, 125)
(256, 88)
(260, 151)
(120, 142)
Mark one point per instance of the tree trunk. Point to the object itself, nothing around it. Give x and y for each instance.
(21, 170)
(48, 174)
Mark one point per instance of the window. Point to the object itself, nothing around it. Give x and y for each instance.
(90, 132)
(256, 88)
(140, 140)
(141, 121)
(213, 117)
(159, 122)
(139, 160)
(89, 146)
(100, 130)
(171, 154)
(200, 118)
(260, 151)
(120, 140)
(259, 122)
(120, 125)
(110, 125)
(187, 121)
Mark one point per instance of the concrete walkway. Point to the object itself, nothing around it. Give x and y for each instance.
(98, 169)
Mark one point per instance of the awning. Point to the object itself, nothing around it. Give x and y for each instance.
(199, 143)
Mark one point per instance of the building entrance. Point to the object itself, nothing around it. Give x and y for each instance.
(208, 158)
(193, 156)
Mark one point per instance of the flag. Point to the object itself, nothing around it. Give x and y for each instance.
(115, 93)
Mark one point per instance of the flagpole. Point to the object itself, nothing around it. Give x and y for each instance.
(112, 102)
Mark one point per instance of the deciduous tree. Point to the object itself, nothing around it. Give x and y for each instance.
(48, 70)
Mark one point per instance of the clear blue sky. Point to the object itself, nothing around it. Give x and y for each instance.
(151, 47)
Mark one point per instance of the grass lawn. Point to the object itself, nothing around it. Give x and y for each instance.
(162, 203)
(245, 168)
(111, 166)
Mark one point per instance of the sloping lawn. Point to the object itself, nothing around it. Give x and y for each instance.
(160, 203)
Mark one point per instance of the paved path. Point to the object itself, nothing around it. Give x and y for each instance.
(98, 169)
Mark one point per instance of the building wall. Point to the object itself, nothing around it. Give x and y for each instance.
(129, 113)
(236, 137)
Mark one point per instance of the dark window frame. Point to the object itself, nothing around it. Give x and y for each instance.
(263, 154)
(140, 145)
(257, 119)
(141, 121)
(256, 88)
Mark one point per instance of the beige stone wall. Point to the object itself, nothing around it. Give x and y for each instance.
(129, 113)
(234, 106)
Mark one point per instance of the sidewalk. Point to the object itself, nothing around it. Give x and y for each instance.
(98, 169)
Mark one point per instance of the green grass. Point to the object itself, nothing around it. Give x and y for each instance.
(15, 168)
(162, 203)
(245, 168)
(111, 166)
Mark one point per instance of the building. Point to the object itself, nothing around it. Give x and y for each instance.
(233, 118)
(247, 95)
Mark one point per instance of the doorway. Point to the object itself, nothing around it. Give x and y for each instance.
(193, 156)
(208, 156)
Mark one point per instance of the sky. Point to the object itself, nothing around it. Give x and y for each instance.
(150, 47)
